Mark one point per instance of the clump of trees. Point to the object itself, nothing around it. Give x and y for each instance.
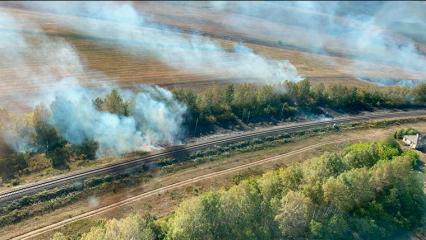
(229, 105)
(419, 94)
(130, 227)
(113, 103)
(368, 191)
(12, 163)
(405, 131)
(46, 141)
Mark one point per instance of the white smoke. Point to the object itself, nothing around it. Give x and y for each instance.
(124, 25)
(29, 62)
(156, 120)
(390, 33)
(58, 82)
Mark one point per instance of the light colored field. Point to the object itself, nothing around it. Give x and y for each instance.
(103, 56)
(267, 32)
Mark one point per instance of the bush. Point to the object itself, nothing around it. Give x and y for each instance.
(405, 131)
(87, 150)
(59, 156)
(12, 164)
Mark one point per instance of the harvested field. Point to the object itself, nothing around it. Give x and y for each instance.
(109, 63)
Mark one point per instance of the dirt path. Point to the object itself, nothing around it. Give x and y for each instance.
(98, 211)
(164, 190)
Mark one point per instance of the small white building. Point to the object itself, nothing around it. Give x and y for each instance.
(414, 141)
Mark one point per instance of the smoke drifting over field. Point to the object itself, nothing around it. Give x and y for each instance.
(372, 31)
(121, 23)
(156, 115)
(59, 81)
(381, 32)
(39, 60)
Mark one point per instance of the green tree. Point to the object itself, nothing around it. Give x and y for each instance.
(318, 171)
(112, 103)
(192, 115)
(320, 95)
(48, 140)
(419, 93)
(362, 155)
(198, 218)
(349, 190)
(294, 215)
(247, 213)
(335, 226)
(245, 101)
(59, 155)
(129, 228)
(59, 236)
(303, 95)
(11, 164)
(87, 149)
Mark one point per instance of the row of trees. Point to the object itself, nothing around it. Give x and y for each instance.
(42, 138)
(368, 191)
(225, 105)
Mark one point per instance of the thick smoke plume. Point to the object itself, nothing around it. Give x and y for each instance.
(122, 24)
(156, 119)
(155, 115)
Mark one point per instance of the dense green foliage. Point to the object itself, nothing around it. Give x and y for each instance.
(229, 105)
(11, 164)
(131, 227)
(368, 191)
(405, 131)
(112, 103)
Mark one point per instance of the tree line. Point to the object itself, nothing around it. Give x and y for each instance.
(233, 104)
(229, 106)
(46, 141)
(370, 190)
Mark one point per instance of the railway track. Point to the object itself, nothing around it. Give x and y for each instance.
(51, 227)
(151, 158)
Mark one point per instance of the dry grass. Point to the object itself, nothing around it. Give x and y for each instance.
(201, 18)
(127, 69)
(163, 204)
